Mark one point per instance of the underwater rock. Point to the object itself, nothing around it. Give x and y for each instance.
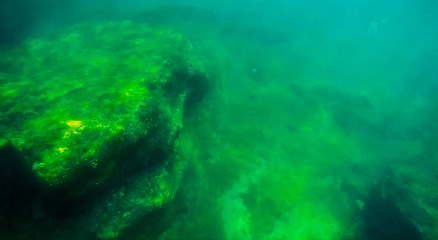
(98, 106)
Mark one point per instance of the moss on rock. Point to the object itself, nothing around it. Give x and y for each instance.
(98, 103)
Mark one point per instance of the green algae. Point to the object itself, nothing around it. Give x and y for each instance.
(97, 103)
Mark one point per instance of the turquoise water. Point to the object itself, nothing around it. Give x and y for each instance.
(294, 120)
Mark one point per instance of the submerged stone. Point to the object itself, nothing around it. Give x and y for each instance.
(92, 106)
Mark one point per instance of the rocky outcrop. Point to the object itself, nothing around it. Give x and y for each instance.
(98, 108)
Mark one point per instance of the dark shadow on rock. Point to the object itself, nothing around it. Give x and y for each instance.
(20, 193)
(383, 220)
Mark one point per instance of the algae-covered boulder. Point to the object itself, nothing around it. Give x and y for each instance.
(95, 104)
